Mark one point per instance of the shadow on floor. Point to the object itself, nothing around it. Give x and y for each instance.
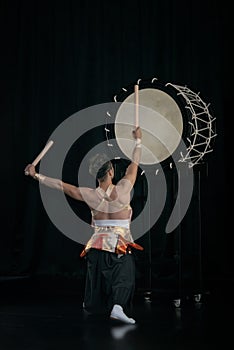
(41, 319)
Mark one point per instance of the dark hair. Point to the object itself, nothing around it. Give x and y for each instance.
(104, 170)
(99, 166)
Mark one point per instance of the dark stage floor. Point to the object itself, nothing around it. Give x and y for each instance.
(33, 319)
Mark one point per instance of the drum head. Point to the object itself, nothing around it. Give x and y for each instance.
(161, 122)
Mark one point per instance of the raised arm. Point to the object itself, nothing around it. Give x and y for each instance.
(57, 184)
(131, 172)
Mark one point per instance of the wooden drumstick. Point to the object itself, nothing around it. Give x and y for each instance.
(42, 153)
(136, 89)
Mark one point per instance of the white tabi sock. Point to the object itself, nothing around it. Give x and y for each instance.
(118, 314)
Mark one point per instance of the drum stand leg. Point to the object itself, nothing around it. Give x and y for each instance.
(197, 297)
(198, 253)
(178, 238)
(148, 292)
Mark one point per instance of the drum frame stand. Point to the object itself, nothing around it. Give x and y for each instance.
(197, 296)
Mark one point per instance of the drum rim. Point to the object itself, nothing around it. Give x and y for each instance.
(171, 92)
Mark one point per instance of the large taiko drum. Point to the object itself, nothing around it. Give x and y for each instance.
(176, 123)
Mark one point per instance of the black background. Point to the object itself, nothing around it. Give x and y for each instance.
(60, 57)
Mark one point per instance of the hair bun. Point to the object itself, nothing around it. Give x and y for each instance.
(99, 165)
